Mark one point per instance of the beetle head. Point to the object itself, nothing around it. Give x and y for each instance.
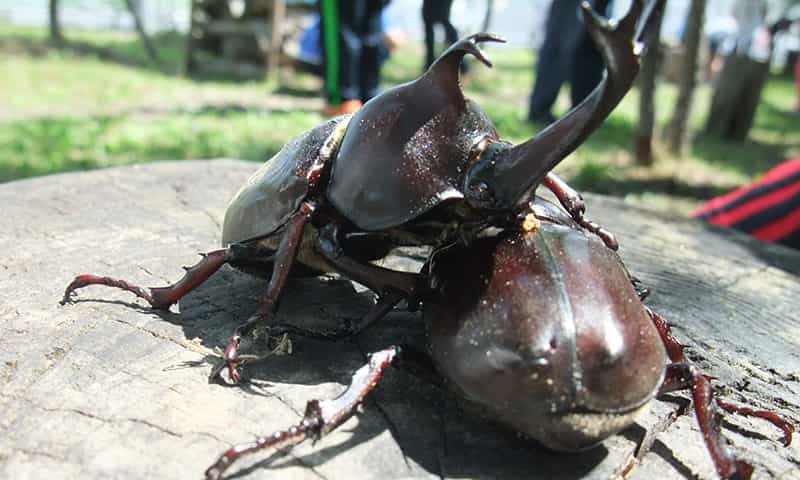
(415, 139)
(504, 176)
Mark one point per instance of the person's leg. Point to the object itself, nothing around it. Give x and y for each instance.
(549, 76)
(586, 70)
(450, 32)
(755, 77)
(428, 9)
(551, 68)
(587, 66)
(371, 44)
(329, 26)
(341, 50)
(724, 99)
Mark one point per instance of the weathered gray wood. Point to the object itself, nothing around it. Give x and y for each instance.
(108, 389)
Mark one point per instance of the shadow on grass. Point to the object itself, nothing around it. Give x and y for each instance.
(125, 51)
(749, 157)
(777, 119)
(295, 91)
(593, 178)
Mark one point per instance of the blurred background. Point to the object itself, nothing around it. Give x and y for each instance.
(95, 83)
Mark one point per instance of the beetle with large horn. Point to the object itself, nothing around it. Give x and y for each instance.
(420, 164)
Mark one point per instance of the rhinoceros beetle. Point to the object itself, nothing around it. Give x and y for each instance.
(542, 328)
(420, 164)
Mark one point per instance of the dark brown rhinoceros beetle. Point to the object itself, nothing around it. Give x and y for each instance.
(575, 369)
(419, 164)
(542, 329)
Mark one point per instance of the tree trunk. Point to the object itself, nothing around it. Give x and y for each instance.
(678, 130)
(487, 18)
(106, 388)
(643, 142)
(137, 19)
(55, 24)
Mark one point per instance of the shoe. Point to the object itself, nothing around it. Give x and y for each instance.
(348, 106)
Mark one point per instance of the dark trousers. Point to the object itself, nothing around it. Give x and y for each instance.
(433, 12)
(351, 43)
(567, 54)
(734, 103)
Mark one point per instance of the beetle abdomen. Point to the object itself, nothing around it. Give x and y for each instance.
(546, 333)
(274, 192)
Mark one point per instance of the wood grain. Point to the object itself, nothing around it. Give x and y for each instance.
(106, 388)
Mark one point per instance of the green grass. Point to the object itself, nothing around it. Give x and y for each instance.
(79, 108)
(47, 145)
(101, 102)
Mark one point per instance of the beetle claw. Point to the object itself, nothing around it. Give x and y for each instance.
(227, 373)
(69, 297)
(234, 377)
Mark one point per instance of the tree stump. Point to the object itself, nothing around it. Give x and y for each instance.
(106, 388)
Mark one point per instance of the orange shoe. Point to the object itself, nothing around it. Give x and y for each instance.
(348, 106)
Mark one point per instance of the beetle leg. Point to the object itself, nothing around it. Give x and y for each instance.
(284, 259)
(681, 375)
(321, 416)
(684, 375)
(676, 355)
(573, 203)
(634, 458)
(158, 297)
(382, 281)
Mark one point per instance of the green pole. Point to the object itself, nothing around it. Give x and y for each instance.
(330, 25)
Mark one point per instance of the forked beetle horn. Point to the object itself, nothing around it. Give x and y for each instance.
(445, 70)
(455, 53)
(511, 174)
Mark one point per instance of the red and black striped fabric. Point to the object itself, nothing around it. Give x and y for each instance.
(768, 209)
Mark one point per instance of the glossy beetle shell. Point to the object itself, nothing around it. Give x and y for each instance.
(546, 333)
(406, 154)
(408, 149)
(274, 192)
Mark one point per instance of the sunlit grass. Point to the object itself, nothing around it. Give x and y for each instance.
(103, 102)
(47, 145)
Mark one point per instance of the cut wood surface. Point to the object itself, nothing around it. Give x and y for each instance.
(107, 388)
